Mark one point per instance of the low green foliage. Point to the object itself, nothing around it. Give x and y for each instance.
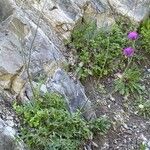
(99, 126)
(99, 51)
(129, 82)
(145, 36)
(143, 107)
(48, 125)
(142, 147)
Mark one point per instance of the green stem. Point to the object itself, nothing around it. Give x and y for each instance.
(129, 60)
(128, 65)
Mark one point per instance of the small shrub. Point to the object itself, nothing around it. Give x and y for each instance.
(129, 82)
(99, 51)
(48, 125)
(100, 125)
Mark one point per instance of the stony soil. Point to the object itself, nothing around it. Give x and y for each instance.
(129, 130)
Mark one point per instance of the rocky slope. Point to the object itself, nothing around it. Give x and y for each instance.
(37, 28)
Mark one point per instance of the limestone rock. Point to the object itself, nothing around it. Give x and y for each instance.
(136, 10)
(99, 12)
(73, 93)
(7, 138)
(16, 33)
(6, 9)
(10, 58)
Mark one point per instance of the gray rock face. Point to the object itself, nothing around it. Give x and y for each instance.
(7, 138)
(73, 93)
(136, 10)
(16, 34)
(5, 9)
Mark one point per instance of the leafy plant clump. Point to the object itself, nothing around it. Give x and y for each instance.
(48, 125)
(99, 51)
(145, 36)
(143, 146)
(129, 83)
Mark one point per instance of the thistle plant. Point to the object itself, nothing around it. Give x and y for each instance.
(129, 51)
(128, 82)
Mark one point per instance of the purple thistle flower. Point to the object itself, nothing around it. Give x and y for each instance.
(128, 52)
(133, 35)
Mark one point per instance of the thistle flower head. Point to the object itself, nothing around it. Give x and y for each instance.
(128, 52)
(133, 35)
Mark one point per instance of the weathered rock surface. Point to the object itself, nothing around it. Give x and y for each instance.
(136, 10)
(55, 20)
(73, 93)
(8, 138)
